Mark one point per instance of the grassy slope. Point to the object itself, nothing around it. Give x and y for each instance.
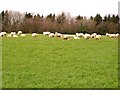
(51, 62)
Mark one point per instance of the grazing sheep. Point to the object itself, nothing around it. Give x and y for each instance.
(46, 33)
(97, 37)
(19, 32)
(65, 37)
(76, 37)
(34, 34)
(58, 34)
(79, 34)
(107, 34)
(9, 35)
(51, 35)
(3, 34)
(23, 35)
(112, 35)
(69, 36)
(93, 35)
(117, 35)
(87, 36)
(13, 33)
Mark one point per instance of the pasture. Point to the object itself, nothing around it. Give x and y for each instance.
(43, 62)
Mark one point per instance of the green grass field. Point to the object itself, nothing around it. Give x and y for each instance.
(44, 62)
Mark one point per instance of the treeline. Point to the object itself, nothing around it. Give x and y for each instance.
(63, 23)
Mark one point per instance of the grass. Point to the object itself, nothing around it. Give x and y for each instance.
(44, 62)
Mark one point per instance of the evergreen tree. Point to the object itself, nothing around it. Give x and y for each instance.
(28, 15)
(3, 15)
(61, 19)
(42, 16)
(108, 18)
(113, 19)
(98, 19)
(117, 19)
(79, 17)
(51, 17)
(38, 15)
(105, 19)
(91, 17)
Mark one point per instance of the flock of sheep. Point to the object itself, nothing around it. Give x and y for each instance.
(78, 35)
(12, 34)
(63, 36)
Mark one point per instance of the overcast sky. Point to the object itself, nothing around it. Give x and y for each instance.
(74, 7)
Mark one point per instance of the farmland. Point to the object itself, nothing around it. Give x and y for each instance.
(43, 62)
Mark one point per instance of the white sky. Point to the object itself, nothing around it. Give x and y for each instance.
(74, 7)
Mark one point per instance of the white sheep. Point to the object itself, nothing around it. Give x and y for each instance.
(46, 33)
(87, 36)
(79, 34)
(58, 34)
(34, 34)
(23, 35)
(65, 37)
(117, 35)
(112, 35)
(69, 36)
(107, 34)
(76, 37)
(13, 33)
(93, 35)
(51, 35)
(19, 32)
(97, 37)
(3, 34)
(9, 35)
